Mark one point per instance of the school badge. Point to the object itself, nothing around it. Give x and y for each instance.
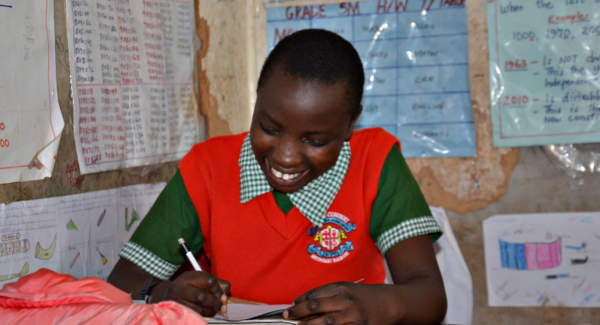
(332, 244)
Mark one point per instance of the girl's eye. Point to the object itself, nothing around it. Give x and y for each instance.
(267, 131)
(315, 143)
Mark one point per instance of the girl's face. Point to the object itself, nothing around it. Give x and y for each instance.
(298, 129)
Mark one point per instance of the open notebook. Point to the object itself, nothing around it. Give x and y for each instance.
(250, 313)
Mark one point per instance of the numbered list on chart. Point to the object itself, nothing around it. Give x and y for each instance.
(132, 81)
(544, 70)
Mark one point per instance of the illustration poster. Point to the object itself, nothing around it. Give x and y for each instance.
(80, 234)
(549, 259)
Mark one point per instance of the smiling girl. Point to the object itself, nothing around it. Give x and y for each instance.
(301, 209)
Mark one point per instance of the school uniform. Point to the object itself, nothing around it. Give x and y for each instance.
(272, 246)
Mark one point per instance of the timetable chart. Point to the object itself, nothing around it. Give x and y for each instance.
(415, 59)
(132, 79)
(544, 70)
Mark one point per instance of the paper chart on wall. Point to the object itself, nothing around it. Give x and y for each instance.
(415, 56)
(549, 259)
(132, 80)
(544, 70)
(30, 119)
(80, 234)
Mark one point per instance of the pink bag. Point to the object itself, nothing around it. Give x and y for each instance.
(46, 297)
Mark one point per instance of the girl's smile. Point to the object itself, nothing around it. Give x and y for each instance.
(287, 179)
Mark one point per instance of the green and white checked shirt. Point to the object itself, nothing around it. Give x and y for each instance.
(312, 200)
(398, 213)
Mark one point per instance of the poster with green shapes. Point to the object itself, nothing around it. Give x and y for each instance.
(544, 70)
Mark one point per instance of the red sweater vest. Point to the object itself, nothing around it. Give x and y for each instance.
(271, 257)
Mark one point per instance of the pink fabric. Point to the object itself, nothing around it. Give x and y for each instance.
(46, 297)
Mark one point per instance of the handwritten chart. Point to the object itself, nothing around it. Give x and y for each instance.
(544, 68)
(415, 56)
(132, 79)
(80, 234)
(30, 119)
(548, 259)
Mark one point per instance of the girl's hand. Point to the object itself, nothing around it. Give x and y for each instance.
(346, 303)
(417, 297)
(200, 291)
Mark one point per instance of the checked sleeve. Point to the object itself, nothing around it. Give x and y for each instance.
(153, 246)
(400, 210)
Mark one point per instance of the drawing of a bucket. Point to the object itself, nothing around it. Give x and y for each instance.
(15, 247)
(530, 248)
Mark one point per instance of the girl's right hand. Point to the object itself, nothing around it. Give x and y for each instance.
(198, 290)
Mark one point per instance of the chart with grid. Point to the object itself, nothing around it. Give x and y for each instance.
(415, 57)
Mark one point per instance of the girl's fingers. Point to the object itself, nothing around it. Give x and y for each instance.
(316, 306)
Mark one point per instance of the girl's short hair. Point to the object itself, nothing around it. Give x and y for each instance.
(321, 56)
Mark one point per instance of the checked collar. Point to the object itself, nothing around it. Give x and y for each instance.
(312, 200)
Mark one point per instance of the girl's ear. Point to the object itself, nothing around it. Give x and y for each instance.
(352, 122)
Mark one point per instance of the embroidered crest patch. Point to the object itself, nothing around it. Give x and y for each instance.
(332, 244)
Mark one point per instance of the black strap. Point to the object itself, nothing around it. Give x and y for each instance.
(147, 289)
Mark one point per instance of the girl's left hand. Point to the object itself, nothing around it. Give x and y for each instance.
(346, 303)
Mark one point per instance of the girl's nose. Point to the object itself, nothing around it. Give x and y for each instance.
(287, 154)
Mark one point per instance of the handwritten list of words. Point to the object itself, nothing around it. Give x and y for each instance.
(415, 57)
(131, 66)
(544, 69)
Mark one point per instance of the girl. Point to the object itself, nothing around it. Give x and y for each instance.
(302, 208)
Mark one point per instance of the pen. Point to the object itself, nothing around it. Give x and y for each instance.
(192, 259)
(189, 255)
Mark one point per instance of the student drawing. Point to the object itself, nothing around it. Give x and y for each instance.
(14, 247)
(45, 254)
(24, 271)
(579, 261)
(134, 217)
(74, 260)
(104, 259)
(71, 225)
(577, 248)
(13, 236)
(102, 217)
(294, 206)
(530, 247)
(546, 259)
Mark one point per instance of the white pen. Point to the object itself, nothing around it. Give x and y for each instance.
(192, 259)
(189, 255)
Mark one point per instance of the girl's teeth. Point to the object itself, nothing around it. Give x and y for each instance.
(283, 176)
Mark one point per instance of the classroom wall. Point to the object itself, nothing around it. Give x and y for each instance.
(536, 186)
(517, 180)
(66, 178)
(227, 78)
(236, 33)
